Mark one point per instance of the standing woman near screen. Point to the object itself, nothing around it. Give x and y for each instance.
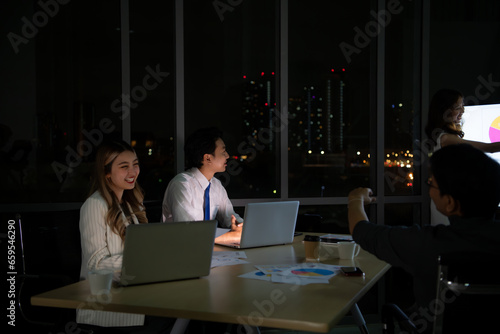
(444, 122)
(444, 127)
(115, 202)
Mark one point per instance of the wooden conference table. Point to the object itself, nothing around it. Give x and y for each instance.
(224, 297)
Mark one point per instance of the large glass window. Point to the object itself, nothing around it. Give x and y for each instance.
(152, 93)
(329, 97)
(60, 76)
(402, 26)
(230, 71)
(64, 72)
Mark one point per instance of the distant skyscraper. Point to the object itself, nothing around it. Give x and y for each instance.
(259, 105)
(316, 118)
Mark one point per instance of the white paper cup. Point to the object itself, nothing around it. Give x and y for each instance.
(100, 281)
(348, 250)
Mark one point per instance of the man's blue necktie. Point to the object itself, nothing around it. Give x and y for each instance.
(207, 203)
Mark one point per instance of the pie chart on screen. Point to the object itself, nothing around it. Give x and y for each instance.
(495, 130)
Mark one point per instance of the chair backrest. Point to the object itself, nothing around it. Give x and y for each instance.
(48, 256)
(467, 293)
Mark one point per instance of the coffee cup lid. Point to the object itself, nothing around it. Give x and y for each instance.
(311, 238)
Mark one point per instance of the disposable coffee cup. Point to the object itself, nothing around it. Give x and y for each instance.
(100, 281)
(311, 246)
(348, 250)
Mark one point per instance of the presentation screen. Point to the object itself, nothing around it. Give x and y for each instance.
(482, 123)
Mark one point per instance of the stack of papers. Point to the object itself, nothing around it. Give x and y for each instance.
(299, 274)
(228, 258)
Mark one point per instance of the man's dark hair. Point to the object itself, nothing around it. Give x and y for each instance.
(199, 143)
(469, 176)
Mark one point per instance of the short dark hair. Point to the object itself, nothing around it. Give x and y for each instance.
(201, 142)
(469, 176)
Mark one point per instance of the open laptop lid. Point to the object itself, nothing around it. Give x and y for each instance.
(270, 223)
(159, 252)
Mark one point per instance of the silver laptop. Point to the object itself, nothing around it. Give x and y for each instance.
(267, 224)
(159, 252)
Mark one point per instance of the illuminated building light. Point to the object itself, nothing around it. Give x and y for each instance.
(133, 143)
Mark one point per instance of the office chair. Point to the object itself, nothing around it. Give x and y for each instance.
(467, 293)
(466, 297)
(38, 270)
(391, 313)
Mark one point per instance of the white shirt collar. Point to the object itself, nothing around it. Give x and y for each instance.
(199, 177)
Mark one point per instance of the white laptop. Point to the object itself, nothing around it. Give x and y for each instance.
(159, 252)
(267, 224)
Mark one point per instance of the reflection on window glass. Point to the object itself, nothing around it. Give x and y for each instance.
(230, 83)
(153, 93)
(329, 97)
(63, 83)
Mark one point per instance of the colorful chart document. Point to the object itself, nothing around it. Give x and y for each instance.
(227, 258)
(300, 274)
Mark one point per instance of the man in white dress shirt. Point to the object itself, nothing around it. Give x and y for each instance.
(185, 199)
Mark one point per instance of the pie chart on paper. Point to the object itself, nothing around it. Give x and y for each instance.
(312, 272)
(495, 130)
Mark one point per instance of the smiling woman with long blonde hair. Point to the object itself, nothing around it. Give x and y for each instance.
(124, 199)
(115, 202)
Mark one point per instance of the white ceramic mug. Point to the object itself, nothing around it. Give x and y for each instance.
(100, 281)
(330, 250)
(348, 250)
